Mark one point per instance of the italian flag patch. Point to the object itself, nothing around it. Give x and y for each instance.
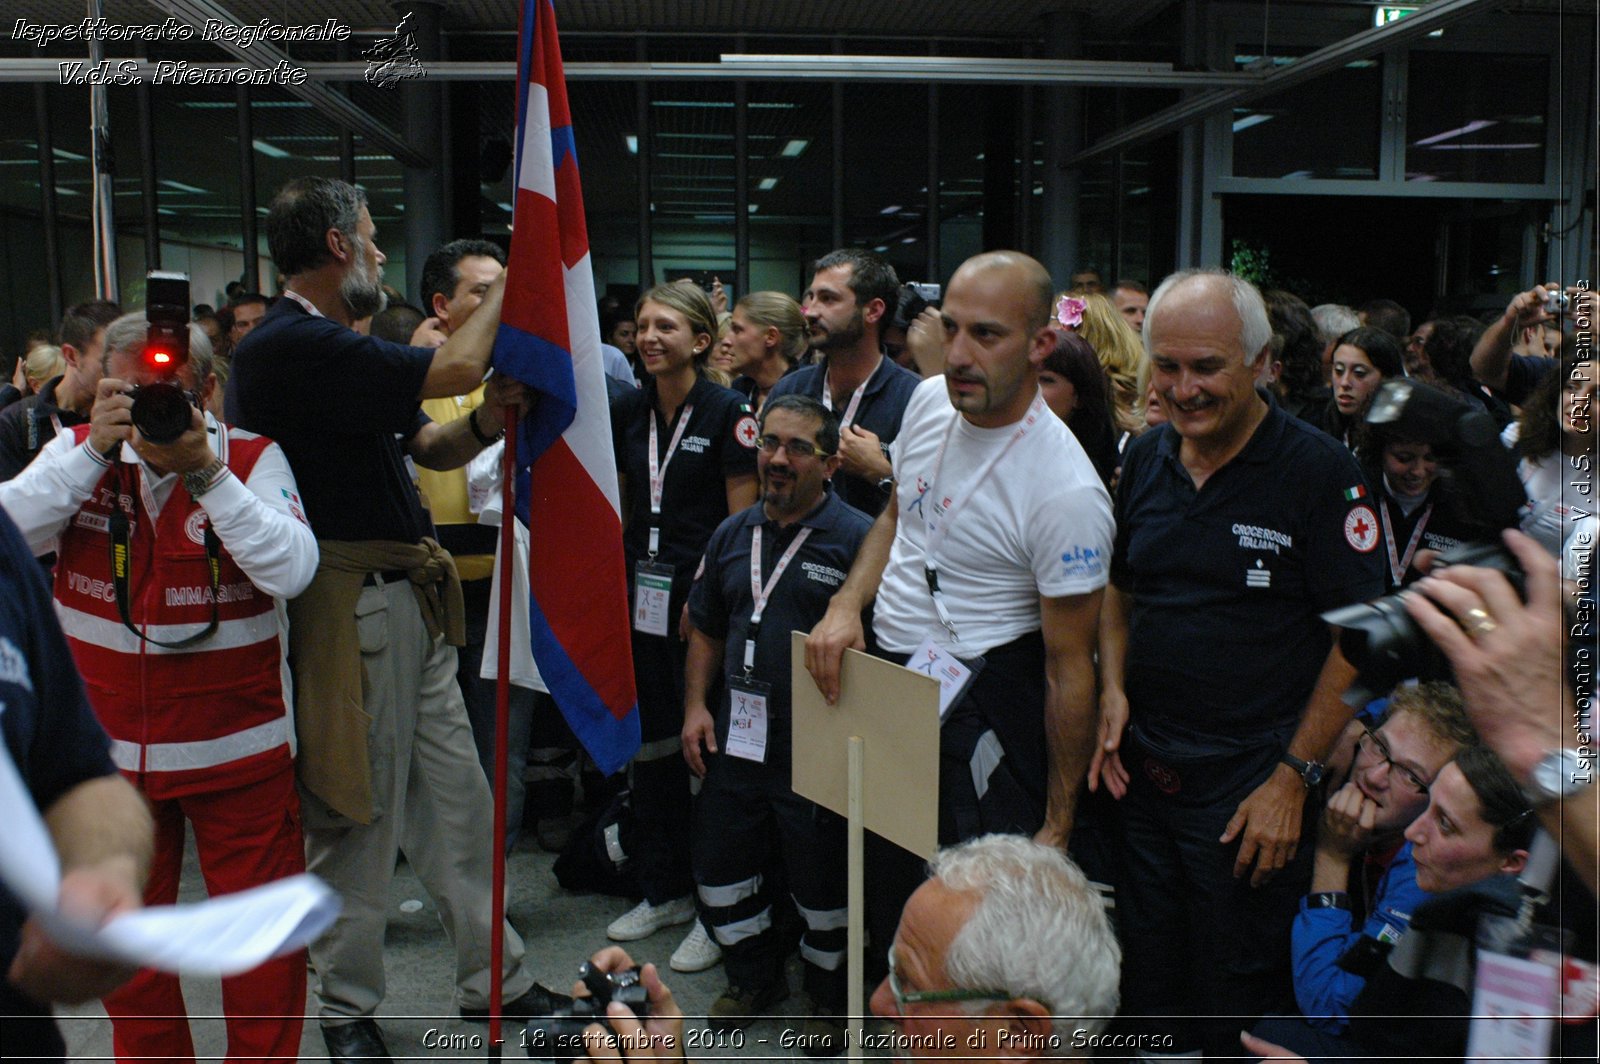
(1357, 492)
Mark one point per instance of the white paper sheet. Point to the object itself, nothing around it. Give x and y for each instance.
(221, 936)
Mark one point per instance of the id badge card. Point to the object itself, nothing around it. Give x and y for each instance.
(1517, 990)
(954, 674)
(652, 595)
(747, 719)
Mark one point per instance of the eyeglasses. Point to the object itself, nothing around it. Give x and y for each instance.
(917, 997)
(1387, 757)
(795, 448)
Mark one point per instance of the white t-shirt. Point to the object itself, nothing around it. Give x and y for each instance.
(1561, 505)
(1039, 524)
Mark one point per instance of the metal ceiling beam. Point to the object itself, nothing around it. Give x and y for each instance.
(1359, 46)
(263, 55)
(846, 68)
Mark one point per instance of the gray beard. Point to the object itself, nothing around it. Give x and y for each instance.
(364, 298)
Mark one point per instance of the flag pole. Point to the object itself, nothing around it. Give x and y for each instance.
(502, 704)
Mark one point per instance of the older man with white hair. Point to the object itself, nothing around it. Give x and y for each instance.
(1237, 527)
(1004, 951)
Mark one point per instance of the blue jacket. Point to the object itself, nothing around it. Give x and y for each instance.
(1325, 991)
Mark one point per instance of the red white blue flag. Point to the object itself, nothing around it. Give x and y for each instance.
(566, 478)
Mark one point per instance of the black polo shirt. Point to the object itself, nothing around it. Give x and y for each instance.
(54, 740)
(718, 442)
(721, 603)
(1447, 528)
(338, 403)
(882, 405)
(1225, 640)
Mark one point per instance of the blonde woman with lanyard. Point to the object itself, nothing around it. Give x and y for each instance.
(686, 454)
(766, 337)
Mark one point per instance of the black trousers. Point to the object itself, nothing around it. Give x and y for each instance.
(660, 778)
(747, 820)
(993, 765)
(1204, 954)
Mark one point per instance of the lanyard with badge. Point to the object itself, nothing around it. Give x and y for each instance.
(855, 398)
(1399, 563)
(749, 697)
(652, 585)
(954, 674)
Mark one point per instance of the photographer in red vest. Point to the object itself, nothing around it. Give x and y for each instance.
(174, 559)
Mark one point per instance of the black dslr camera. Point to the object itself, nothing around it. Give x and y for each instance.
(560, 1036)
(915, 297)
(1379, 637)
(161, 408)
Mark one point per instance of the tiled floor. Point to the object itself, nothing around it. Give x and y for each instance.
(418, 1016)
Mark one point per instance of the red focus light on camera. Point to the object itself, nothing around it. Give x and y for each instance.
(158, 357)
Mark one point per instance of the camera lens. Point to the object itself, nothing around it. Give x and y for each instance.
(161, 412)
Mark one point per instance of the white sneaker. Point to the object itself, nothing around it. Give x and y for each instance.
(644, 919)
(698, 952)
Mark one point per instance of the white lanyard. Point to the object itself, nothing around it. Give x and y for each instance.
(658, 470)
(939, 526)
(760, 594)
(1398, 564)
(855, 399)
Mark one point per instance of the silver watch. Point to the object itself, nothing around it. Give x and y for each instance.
(201, 481)
(1560, 773)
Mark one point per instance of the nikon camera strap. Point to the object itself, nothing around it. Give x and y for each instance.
(118, 525)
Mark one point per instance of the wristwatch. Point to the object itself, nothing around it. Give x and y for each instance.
(1561, 773)
(1328, 899)
(1311, 772)
(200, 481)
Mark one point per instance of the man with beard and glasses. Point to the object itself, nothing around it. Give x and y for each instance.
(851, 300)
(1237, 527)
(795, 546)
(991, 557)
(386, 758)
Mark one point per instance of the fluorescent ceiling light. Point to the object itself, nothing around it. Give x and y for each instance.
(768, 184)
(692, 155)
(908, 240)
(62, 153)
(881, 248)
(1251, 120)
(794, 147)
(1295, 175)
(757, 105)
(893, 208)
(179, 186)
(1471, 127)
(228, 105)
(1484, 147)
(754, 207)
(505, 207)
(62, 191)
(269, 150)
(632, 142)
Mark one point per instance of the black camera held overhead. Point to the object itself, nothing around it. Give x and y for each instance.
(915, 297)
(560, 1036)
(1379, 637)
(161, 409)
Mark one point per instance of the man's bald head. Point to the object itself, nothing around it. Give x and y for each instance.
(1029, 272)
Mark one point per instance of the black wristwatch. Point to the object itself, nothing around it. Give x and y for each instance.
(1311, 772)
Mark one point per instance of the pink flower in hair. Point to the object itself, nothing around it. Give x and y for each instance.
(1069, 311)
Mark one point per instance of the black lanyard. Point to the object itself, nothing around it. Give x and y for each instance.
(118, 525)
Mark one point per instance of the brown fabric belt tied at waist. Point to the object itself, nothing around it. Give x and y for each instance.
(331, 720)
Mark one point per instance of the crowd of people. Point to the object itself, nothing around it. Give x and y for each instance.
(1118, 519)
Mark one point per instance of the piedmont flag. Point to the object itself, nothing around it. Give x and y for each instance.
(566, 480)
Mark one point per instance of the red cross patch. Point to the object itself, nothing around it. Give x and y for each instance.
(745, 432)
(1361, 528)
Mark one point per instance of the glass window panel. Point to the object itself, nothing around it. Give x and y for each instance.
(692, 178)
(791, 201)
(604, 124)
(1325, 128)
(1476, 117)
(886, 171)
(963, 110)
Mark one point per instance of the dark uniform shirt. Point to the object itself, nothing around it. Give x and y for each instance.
(718, 442)
(53, 738)
(1225, 640)
(335, 401)
(30, 423)
(721, 603)
(882, 405)
(1445, 530)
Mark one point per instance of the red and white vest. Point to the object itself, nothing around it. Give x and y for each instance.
(206, 718)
